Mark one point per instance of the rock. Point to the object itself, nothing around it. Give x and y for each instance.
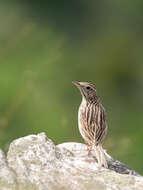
(35, 163)
(7, 176)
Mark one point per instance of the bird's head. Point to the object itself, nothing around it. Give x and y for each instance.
(88, 91)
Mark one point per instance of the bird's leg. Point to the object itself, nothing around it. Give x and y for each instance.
(89, 149)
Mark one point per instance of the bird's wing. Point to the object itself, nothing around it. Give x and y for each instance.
(101, 125)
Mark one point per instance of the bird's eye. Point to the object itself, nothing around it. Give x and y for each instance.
(88, 88)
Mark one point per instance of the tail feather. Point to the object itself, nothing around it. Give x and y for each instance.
(101, 158)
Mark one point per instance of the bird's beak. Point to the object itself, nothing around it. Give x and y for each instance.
(77, 84)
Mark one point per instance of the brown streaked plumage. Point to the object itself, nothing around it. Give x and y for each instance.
(92, 119)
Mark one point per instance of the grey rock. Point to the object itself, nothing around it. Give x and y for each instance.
(35, 163)
(7, 176)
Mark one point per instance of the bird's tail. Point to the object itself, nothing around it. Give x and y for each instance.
(101, 158)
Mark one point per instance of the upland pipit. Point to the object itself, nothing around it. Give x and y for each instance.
(92, 120)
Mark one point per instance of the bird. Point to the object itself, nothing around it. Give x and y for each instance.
(92, 120)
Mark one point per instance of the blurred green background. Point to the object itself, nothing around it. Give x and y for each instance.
(44, 45)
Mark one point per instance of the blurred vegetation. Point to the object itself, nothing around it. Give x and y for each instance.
(44, 45)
